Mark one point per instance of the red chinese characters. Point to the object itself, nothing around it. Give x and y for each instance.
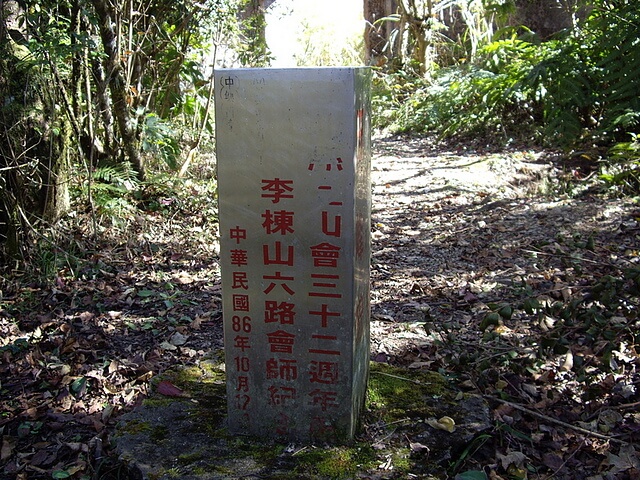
(276, 267)
(294, 209)
(279, 281)
(277, 189)
(240, 321)
(326, 293)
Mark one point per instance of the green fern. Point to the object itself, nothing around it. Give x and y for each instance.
(622, 171)
(111, 190)
(160, 139)
(122, 178)
(578, 89)
(619, 61)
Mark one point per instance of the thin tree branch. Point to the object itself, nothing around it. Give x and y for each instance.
(558, 422)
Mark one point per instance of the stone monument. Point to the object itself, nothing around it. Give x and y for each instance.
(293, 153)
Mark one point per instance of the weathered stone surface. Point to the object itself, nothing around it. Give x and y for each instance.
(168, 440)
(186, 438)
(293, 163)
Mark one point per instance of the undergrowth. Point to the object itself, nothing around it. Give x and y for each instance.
(574, 91)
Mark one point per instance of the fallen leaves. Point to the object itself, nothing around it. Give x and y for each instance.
(168, 389)
(420, 448)
(510, 283)
(8, 446)
(626, 459)
(67, 374)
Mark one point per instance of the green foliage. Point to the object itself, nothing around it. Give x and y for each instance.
(571, 91)
(16, 347)
(398, 101)
(120, 178)
(111, 189)
(424, 33)
(472, 475)
(251, 45)
(616, 30)
(587, 89)
(168, 195)
(488, 97)
(336, 462)
(622, 171)
(466, 454)
(159, 139)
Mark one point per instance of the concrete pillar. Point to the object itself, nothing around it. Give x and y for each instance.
(293, 152)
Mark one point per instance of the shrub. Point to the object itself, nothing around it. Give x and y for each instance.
(578, 89)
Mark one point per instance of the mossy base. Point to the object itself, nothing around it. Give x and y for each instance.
(186, 438)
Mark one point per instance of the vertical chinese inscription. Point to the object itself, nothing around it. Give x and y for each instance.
(294, 198)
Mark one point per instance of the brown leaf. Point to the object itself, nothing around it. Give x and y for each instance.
(626, 459)
(86, 316)
(178, 339)
(184, 278)
(31, 413)
(8, 444)
(553, 461)
(43, 458)
(168, 389)
(568, 362)
(196, 323)
(113, 366)
(512, 458)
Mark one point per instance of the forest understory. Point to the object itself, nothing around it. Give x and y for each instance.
(508, 272)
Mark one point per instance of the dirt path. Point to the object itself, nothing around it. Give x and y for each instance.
(454, 228)
(485, 268)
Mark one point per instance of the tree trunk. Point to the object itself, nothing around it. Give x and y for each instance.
(54, 193)
(420, 44)
(379, 47)
(104, 107)
(253, 26)
(118, 87)
(17, 99)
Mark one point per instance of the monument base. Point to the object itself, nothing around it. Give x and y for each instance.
(187, 438)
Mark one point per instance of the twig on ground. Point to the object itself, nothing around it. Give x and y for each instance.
(582, 259)
(573, 454)
(626, 406)
(558, 422)
(401, 378)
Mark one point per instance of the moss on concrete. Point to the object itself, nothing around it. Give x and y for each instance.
(335, 462)
(194, 443)
(135, 427)
(395, 393)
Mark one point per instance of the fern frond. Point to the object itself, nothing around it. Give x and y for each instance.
(122, 176)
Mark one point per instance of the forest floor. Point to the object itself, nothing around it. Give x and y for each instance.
(505, 272)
